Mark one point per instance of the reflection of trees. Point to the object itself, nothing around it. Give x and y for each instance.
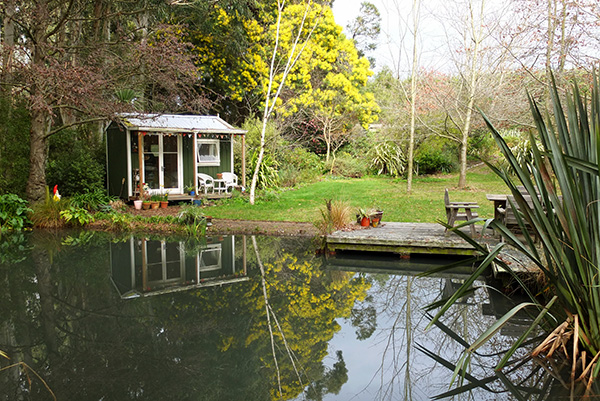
(305, 300)
(399, 302)
(62, 316)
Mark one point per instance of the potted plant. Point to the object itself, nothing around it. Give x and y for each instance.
(155, 201)
(145, 196)
(190, 189)
(164, 201)
(375, 216)
(363, 217)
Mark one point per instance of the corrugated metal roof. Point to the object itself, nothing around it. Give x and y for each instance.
(178, 123)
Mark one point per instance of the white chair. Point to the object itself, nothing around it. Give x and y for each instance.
(205, 182)
(230, 181)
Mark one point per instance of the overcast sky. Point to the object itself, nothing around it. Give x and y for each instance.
(395, 15)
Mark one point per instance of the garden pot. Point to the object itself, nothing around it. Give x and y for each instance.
(197, 202)
(146, 205)
(164, 204)
(155, 205)
(192, 193)
(219, 176)
(137, 204)
(376, 218)
(364, 222)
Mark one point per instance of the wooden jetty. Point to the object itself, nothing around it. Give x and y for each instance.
(420, 239)
(403, 238)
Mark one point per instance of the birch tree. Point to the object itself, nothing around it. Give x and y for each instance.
(413, 93)
(279, 69)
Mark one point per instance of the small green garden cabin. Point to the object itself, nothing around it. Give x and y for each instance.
(166, 152)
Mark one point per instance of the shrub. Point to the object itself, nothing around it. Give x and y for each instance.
(267, 175)
(76, 216)
(387, 158)
(193, 219)
(299, 165)
(433, 161)
(481, 145)
(91, 200)
(75, 163)
(345, 165)
(13, 213)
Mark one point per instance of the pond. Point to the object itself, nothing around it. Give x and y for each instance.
(96, 316)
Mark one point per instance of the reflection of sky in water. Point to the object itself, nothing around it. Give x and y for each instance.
(386, 349)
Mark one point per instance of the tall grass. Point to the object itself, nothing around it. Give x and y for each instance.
(46, 214)
(336, 215)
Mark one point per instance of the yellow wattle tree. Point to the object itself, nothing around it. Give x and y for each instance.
(328, 82)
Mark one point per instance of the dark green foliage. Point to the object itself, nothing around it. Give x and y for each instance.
(298, 165)
(345, 165)
(14, 147)
(432, 161)
(267, 175)
(76, 163)
(91, 201)
(481, 145)
(13, 213)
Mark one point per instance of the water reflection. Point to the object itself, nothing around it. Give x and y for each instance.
(124, 318)
(145, 266)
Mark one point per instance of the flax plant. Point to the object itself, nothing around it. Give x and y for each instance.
(566, 214)
(563, 179)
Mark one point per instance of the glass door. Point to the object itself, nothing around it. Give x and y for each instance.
(170, 162)
(161, 163)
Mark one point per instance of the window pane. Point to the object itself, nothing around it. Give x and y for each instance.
(208, 152)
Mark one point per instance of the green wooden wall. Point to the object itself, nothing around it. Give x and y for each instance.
(116, 162)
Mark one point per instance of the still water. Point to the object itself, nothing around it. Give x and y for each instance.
(105, 317)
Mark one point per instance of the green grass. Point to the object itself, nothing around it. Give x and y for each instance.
(425, 204)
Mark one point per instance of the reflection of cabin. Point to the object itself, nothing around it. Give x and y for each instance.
(167, 152)
(143, 267)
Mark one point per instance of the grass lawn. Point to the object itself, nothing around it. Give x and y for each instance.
(425, 204)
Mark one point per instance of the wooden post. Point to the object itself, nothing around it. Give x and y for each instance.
(144, 266)
(140, 139)
(244, 160)
(195, 153)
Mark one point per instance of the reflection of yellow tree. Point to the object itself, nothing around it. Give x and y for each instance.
(306, 302)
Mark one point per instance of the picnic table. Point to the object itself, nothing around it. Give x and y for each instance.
(456, 211)
(500, 201)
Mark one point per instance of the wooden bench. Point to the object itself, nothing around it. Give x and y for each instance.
(456, 211)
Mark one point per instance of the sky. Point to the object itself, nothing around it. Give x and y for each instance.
(437, 27)
(390, 51)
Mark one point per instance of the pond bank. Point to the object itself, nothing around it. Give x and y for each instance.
(219, 226)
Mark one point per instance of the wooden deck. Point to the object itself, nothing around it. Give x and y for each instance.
(403, 238)
(421, 239)
(188, 197)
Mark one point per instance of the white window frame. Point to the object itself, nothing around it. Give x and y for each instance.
(217, 158)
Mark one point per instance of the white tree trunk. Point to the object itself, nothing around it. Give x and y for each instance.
(271, 99)
(476, 32)
(413, 95)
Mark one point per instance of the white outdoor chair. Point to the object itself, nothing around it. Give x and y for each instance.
(205, 182)
(230, 181)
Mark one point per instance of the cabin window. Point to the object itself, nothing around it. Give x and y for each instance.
(209, 153)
